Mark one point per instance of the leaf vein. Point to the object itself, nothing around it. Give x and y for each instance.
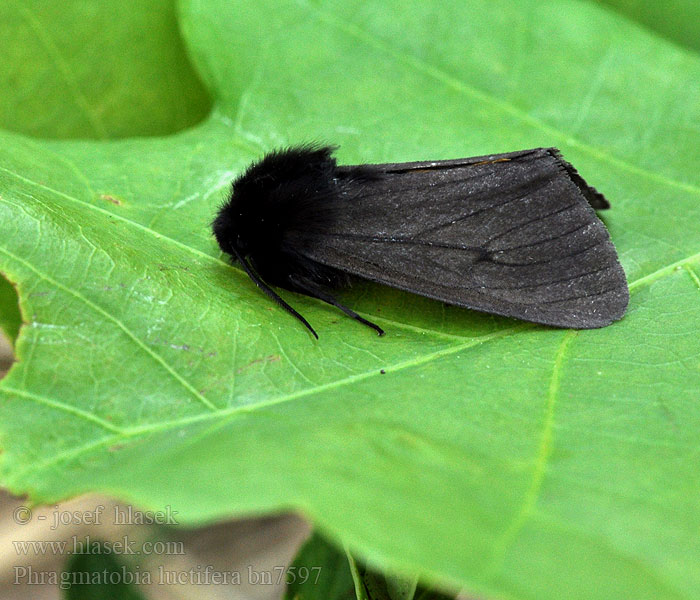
(693, 274)
(73, 410)
(508, 108)
(130, 334)
(233, 412)
(532, 494)
(55, 55)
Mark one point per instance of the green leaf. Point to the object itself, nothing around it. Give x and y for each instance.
(323, 572)
(357, 578)
(384, 586)
(511, 459)
(401, 588)
(101, 576)
(319, 572)
(105, 69)
(678, 20)
(10, 317)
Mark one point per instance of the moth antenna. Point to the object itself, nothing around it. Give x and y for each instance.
(271, 293)
(316, 292)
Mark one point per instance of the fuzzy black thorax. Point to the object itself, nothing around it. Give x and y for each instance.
(272, 208)
(278, 210)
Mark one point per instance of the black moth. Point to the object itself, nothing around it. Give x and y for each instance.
(513, 234)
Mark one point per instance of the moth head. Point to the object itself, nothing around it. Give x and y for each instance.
(269, 198)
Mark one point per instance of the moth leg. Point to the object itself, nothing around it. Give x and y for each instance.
(310, 288)
(271, 293)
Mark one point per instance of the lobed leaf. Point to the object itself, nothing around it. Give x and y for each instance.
(515, 460)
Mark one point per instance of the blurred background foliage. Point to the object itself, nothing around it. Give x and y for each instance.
(122, 67)
(143, 83)
(677, 20)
